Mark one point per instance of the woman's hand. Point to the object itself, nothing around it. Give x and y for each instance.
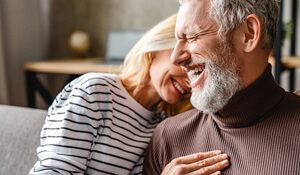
(297, 92)
(199, 164)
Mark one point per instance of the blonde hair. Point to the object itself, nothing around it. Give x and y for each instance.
(138, 60)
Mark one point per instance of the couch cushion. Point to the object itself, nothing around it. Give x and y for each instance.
(20, 129)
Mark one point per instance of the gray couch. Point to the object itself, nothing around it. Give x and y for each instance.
(20, 129)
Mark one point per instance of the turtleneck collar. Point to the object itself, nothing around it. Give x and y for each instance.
(251, 104)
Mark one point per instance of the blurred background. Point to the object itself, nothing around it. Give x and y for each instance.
(35, 30)
(38, 30)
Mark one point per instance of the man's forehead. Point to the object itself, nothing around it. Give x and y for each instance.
(203, 3)
(195, 9)
(193, 15)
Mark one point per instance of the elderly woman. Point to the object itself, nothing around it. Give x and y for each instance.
(102, 123)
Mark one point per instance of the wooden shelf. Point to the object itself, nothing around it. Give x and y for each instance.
(73, 66)
(290, 62)
(287, 62)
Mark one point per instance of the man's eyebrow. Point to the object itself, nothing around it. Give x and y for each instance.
(199, 32)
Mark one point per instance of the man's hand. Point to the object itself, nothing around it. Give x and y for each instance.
(297, 92)
(199, 164)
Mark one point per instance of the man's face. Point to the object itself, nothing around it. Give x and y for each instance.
(210, 62)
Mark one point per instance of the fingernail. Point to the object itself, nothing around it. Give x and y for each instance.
(224, 156)
(225, 162)
(218, 152)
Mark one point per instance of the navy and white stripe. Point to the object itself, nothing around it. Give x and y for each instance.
(94, 127)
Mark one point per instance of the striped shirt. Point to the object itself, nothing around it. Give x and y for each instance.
(94, 127)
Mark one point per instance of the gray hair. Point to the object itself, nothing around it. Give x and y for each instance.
(231, 13)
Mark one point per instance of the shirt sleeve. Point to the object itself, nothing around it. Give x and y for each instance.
(155, 153)
(69, 131)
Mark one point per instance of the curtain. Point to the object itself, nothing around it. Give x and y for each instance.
(3, 82)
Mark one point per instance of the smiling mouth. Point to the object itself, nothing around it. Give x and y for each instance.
(178, 87)
(194, 72)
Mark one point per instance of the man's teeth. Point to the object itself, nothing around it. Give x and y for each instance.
(194, 73)
(197, 70)
(178, 87)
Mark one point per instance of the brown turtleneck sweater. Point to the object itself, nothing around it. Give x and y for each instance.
(259, 129)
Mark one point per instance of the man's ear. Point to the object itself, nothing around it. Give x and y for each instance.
(252, 33)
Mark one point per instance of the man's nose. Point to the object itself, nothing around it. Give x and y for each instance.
(180, 54)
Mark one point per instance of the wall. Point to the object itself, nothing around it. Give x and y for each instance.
(97, 17)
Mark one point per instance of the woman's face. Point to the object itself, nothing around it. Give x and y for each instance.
(169, 81)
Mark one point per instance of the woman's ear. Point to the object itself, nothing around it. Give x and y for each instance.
(252, 33)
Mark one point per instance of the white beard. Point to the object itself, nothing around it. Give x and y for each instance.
(220, 85)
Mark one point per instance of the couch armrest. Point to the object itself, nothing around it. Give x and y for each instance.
(20, 129)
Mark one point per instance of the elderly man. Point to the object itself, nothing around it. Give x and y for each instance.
(223, 45)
